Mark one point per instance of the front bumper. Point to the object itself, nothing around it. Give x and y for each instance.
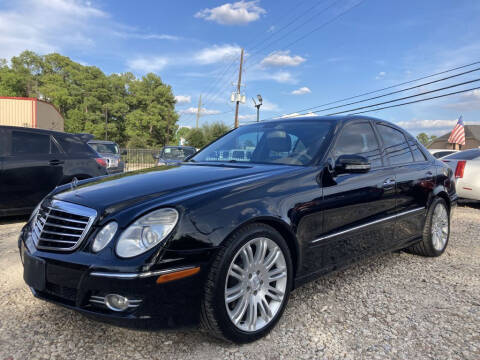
(79, 287)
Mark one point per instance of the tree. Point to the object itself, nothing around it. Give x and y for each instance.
(130, 110)
(214, 131)
(425, 139)
(196, 138)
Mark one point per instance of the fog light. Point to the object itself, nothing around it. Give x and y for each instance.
(116, 302)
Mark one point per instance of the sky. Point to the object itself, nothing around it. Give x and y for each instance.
(298, 54)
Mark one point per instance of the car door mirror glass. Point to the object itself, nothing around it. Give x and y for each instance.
(346, 164)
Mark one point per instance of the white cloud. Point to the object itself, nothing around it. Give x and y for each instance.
(238, 13)
(247, 117)
(298, 115)
(427, 124)
(147, 64)
(282, 58)
(282, 77)
(183, 99)
(267, 106)
(46, 26)
(203, 111)
(217, 53)
(381, 75)
(302, 91)
(466, 102)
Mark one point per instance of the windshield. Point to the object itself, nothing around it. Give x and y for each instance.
(105, 148)
(175, 153)
(294, 142)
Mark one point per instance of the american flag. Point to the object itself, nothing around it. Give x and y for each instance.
(458, 133)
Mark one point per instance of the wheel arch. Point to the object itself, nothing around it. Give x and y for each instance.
(284, 230)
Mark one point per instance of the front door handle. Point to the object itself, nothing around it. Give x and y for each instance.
(388, 183)
(429, 175)
(55, 162)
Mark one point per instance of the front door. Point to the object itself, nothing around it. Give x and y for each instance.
(358, 208)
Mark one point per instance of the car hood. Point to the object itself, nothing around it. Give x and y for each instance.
(133, 187)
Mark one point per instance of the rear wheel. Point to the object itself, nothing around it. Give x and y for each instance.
(248, 285)
(436, 231)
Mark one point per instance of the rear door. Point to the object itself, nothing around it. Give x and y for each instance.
(3, 148)
(31, 169)
(357, 206)
(414, 181)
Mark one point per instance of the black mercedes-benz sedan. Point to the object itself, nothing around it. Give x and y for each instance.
(223, 237)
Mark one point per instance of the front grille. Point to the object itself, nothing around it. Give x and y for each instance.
(61, 226)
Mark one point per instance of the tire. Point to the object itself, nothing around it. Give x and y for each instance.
(429, 246)
(216, 310)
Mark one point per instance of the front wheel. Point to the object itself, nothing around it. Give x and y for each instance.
(436, 231)
(248, 285)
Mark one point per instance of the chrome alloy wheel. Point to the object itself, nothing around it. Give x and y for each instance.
(440, 227)
(255, 284)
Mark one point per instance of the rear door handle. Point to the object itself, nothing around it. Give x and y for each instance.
(56, 162)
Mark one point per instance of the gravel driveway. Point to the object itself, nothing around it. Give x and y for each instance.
(396, 306)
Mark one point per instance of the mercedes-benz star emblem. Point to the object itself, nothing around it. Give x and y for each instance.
(74, 183)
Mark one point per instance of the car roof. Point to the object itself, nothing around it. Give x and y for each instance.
(44, 131)
(179, 146)
(337, 119)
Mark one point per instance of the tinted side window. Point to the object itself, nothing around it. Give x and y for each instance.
(395, 144)
(30, 143)
(417, 153)
(73, 145)
(359, 139)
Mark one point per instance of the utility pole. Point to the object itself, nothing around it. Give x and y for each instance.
(238, 89)
(106, 122)
(199, 109)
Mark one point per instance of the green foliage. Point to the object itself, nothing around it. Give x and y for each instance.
(196, 138)
(130, 110)
(425, 139)
(203, 136)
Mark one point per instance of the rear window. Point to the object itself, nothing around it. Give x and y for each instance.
(73, 145)
(465, 155)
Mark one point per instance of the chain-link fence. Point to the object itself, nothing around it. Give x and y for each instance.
(137, 159)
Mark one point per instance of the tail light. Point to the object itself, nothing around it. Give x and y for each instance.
(460, 168)
(101, 161)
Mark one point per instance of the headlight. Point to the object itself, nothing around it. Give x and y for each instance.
(104, 236)
(146, 232)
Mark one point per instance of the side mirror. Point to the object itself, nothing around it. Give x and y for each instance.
(156, 156)
(123, 152)
(349, 164)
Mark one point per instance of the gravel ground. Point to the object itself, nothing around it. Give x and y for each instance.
(395, 306)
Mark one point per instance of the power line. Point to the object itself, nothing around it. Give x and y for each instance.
(420, 100)
(314, 29)
(385, 88)
(405, 97)
(398, 91)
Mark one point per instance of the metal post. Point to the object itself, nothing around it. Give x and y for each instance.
(239, 84)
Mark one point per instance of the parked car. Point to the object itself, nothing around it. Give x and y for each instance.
(440, 153)
(466, 165)
(110, 151)
(224, 242)
(33, 162)
(174, 154)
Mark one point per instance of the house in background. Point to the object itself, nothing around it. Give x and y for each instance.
(472, 139)
(30, 112)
